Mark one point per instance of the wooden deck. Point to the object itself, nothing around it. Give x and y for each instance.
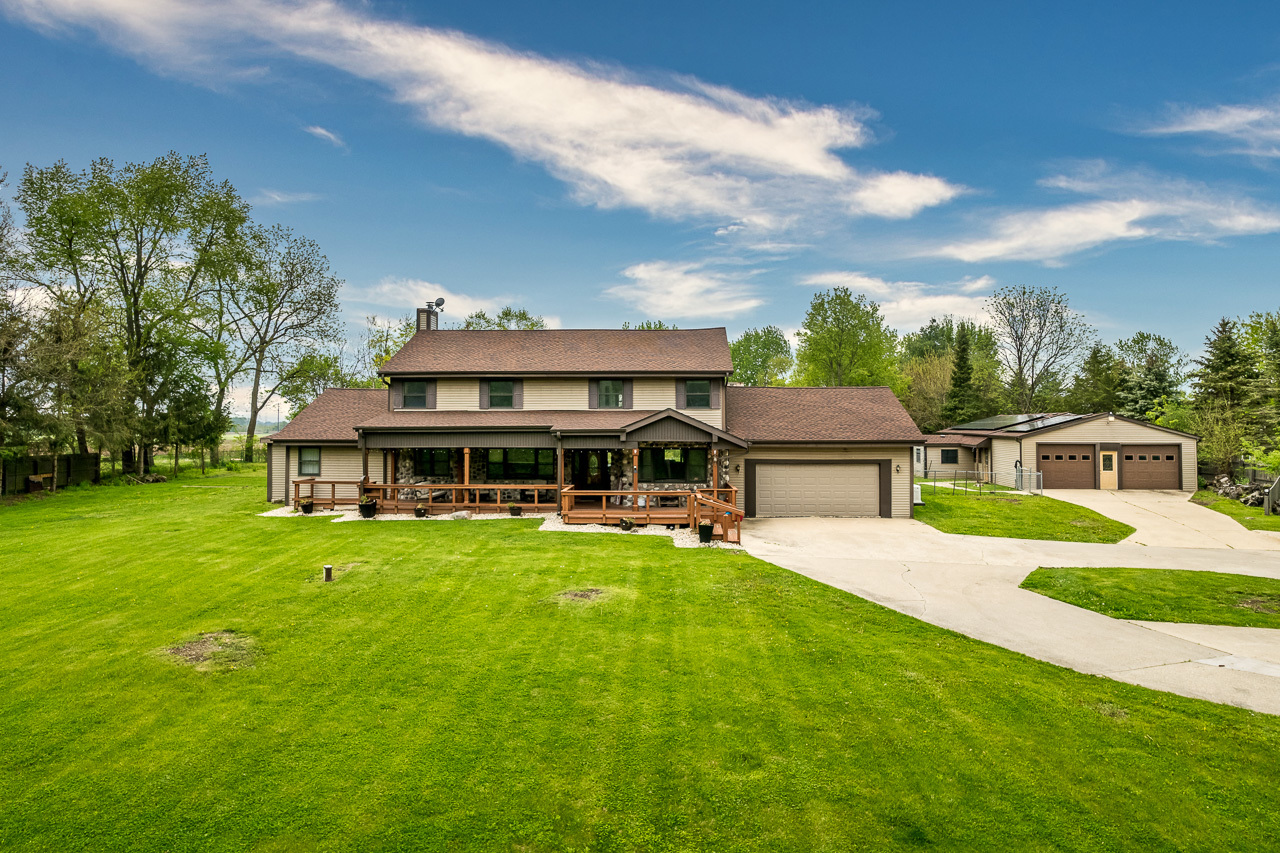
(681, 508)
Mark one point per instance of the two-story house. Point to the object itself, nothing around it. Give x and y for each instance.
(617, 420)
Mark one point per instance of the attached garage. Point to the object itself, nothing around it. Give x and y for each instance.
(1067, 466)
(835, 489)
(1150, 466)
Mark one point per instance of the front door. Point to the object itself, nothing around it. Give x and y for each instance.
(1107, 476)
(591, 470)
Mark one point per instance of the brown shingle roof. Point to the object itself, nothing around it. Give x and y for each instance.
(603, 419)
(630, 351)
(818, 414)
(958, 440)
(334, 414)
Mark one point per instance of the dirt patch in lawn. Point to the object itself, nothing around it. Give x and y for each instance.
(581, 594)
(216, 651)
(1203, 501)
(1260, 605)
(1107, 709)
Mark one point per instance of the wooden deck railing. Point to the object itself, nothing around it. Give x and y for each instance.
(594, 506)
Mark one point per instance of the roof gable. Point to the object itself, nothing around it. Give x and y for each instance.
(582, 351)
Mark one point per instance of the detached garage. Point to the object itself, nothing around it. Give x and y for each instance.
(1102, 451)
(838, 452)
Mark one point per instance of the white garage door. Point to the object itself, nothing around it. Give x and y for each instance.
(850, 491)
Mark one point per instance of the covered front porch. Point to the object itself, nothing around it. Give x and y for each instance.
(665, 471)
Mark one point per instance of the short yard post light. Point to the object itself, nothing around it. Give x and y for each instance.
(328, 573)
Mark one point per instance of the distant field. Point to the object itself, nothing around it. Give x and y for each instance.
(177, 678)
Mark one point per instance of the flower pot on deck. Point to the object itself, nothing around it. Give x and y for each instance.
(704, 533)
(368, 510)
(516, 510)
(419, 512)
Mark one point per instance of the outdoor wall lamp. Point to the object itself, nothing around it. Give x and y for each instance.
(897, 469)
(737, 468)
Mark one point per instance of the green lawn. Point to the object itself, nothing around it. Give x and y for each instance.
(1017, 517)
(442, 695)
(1251, 517)
(1165, 595)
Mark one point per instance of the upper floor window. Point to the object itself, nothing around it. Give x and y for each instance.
(611, 394)
(415, 395)
(697, 393)
(502, 394)
(308, 461)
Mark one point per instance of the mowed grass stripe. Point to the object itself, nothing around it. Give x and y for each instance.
(438, 696)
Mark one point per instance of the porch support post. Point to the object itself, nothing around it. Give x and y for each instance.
(466, 465)
(395, 466)
(365, 459)
(715, 472)
(559, 468)
(635, 479)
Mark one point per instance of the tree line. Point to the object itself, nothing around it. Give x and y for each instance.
(1035, 353)
(136, 297)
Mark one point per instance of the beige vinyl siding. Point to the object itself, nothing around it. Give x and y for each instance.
(555, 394)
(336, 463)
(458, 394)
(1004, 453)
(276, 488)
(964, 457)
(653, 394)
(899, 455)
(1102, 431)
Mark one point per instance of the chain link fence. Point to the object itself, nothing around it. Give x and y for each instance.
(982, 482)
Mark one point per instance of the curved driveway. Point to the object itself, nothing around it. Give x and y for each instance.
(970, 584)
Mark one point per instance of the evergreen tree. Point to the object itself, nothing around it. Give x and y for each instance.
(1227, 375)
(1098, 382)
(960, 398)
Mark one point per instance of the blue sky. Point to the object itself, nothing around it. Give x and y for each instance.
(708, 163)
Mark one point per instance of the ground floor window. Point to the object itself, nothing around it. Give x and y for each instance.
(433, 462)
(674, 464)
(521, 463)
(308, 461)
(950, 456)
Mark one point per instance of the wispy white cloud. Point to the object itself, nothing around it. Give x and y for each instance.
(679, 148)
(405, 294)
(669, 290)
(1127, 206)
(908, 305)
(1251, 129)
(268, 197)
(327, 135)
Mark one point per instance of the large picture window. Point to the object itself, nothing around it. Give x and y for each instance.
(610, 394)
(697, 394)
(521, 463)
(673, 464)
(502, 394)
(308, 462)
(415, 395)
(433, 462)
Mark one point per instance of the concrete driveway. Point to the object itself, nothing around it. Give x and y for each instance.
(970, 584)
(1170, 519)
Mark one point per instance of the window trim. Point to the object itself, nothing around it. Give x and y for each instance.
(710, 395)
(506, 475)
(318, 461)
(404, 394)
(686, 449)
(953, 451)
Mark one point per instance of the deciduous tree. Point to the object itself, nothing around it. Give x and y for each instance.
(1040, 340)
(845, 341)
(507, 318)
(761, 357)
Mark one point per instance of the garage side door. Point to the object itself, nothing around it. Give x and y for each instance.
(1150, 466)
(1066, 466)
(843, 490)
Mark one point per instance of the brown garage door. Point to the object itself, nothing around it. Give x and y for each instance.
(1150, 466)
(1066, 466)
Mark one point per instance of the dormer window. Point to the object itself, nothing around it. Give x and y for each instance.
(415, 395)
(611, 393)
(697, 393)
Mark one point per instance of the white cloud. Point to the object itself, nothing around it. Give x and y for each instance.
(680, 149)
(908, 305)
(1129, 206)
(407, 294)
(327, 135)
(1252, 129)
(269, 197)
(666, 290)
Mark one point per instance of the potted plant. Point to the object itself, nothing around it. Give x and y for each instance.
(627, 523)
(704, 532)
(306, 505)
(420, 511)
(368, 506)
(515, 509)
